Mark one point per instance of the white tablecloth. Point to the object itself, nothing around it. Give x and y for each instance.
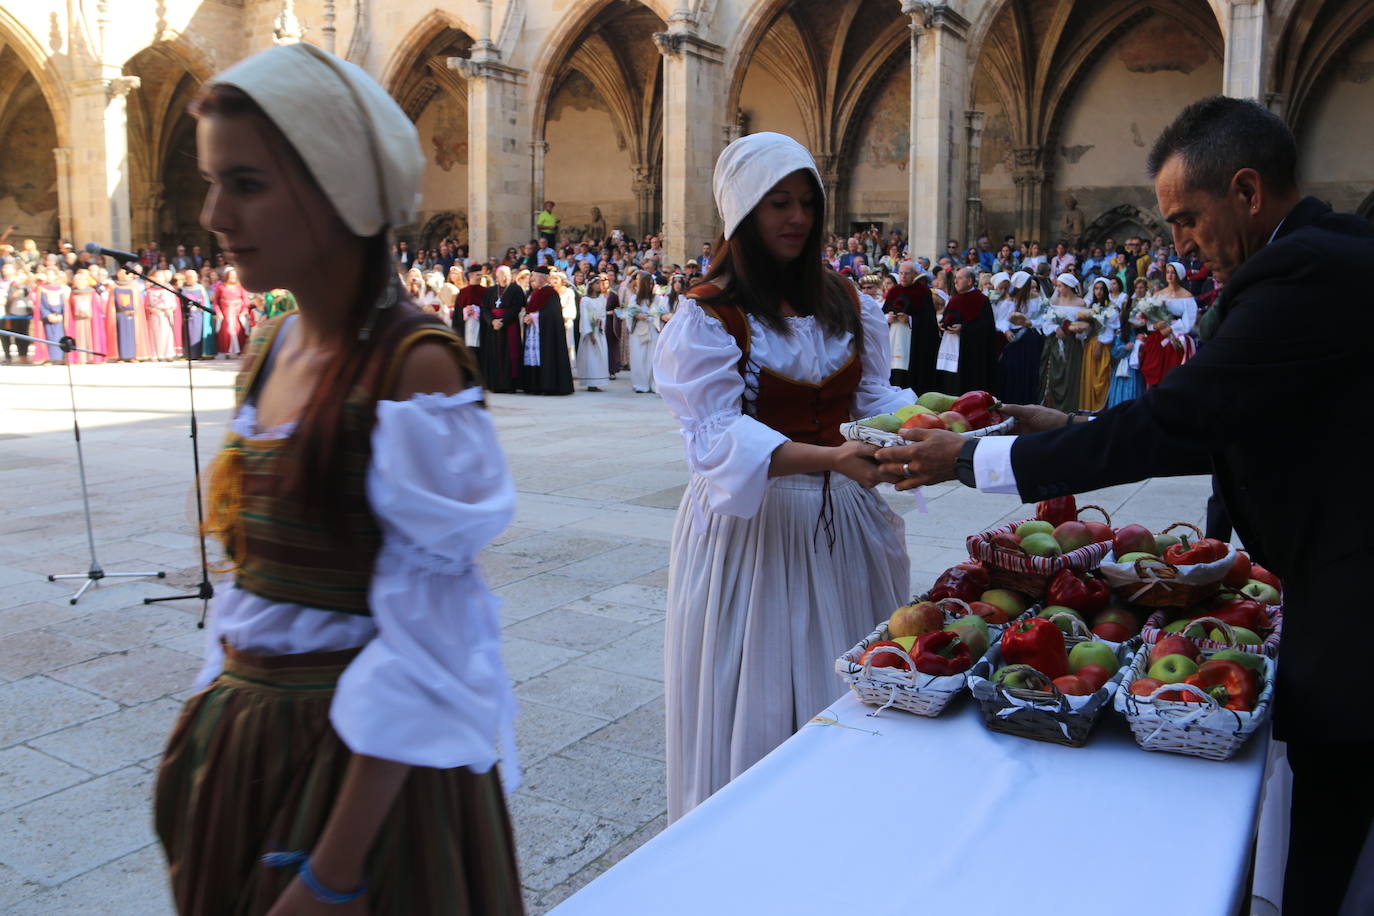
(900, 814)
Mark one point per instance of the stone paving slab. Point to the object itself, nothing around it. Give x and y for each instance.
(89, 692)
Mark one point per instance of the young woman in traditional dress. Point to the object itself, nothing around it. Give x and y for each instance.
(781, 551)
(162, 315)
(231, 313)
(1127, 383)
(201, 324)
(50, 312)
(85, 319)
(1061, 359)
(1097, 349)
(341, 756)
(1018, 367)
(592, 362)
(642, 317)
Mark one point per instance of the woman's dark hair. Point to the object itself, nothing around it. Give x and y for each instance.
(1022, 295)
(758, 285)
(1218, 136)
(1107, 290)
(644, 287)
(313, 467)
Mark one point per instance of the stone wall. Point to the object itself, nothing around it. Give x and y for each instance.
(878, 182)
(588, 163)
(1336, 123)
(28, 172)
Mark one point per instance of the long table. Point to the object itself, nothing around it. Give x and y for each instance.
(901, 814)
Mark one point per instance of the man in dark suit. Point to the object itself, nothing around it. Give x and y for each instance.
(1268, 406)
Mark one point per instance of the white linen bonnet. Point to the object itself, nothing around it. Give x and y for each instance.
(353, 137)
(1068, 280)
(749, 167)
(1019, 279)
(1179, 270)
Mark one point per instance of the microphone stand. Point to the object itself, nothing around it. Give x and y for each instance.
(96, 572)
(205, 590)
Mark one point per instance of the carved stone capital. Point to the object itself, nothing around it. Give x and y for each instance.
(679, 40)
(120, 86)
(490, 68)
(975, 120)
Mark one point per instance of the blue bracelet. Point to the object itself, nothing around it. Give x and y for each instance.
(301, 861)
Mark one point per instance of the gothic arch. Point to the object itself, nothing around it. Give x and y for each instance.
(1314, 36)
(164, 189)
(15, 35)
(1104, 226)
(417, 69)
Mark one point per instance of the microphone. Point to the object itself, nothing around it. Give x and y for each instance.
(112, 253)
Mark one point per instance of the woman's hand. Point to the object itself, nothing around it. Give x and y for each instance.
(855, 461)
(497, 324)
(954, 328)
(296, 901)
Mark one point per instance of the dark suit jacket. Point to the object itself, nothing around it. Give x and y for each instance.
(1274, 405)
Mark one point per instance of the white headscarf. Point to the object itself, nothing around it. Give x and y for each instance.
(355, 140)
(1180, 270)
(999, 278)
(1068, 280)
(1019, 279)
(749, 167)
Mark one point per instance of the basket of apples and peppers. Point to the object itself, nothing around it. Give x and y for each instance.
(1164, 570)
(1250, 601)
(918, 659)
(1025, 556)
(1181, 698)
(1032, 684)
(973, 414)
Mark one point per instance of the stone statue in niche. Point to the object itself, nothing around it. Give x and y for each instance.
(596, 231)
(1072, 227)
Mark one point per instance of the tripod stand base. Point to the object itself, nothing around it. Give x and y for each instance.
(204, 592)
(95, 574)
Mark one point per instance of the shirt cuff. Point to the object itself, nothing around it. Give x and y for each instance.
(992, 465)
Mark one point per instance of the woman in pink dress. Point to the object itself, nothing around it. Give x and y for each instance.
(85, 319)
(231, 313)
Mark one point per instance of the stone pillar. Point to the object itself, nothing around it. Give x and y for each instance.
(836, 185)
(145, 214)
(973, 205)
(99, 161)
(498, 141)
(1028, 173)
(539, 149)
(644, 188)
(692, 90)
(1247, 26)
(63, 155)
(939, 93)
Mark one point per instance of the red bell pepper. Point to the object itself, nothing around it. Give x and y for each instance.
(966, 581)
(942, 653)
(1039, 643)
(1087, 595)
(1238, 612)
(1205, 550)
(1231, 684)
(1057, 511)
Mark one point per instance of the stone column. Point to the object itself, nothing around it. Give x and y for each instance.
(146, 211)
(939, 93)
(1247, 26)
(835, 183)
(538, 150)
(643, 187)
(63, 155)
(973, 205)
(692, 90)
(1028, 173)
(498, 141)
(100, 162)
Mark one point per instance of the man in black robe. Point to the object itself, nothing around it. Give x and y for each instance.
(499, 354)
(547, 369)
(911, 298)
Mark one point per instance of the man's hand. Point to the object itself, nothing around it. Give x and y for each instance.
(1032, 418)
(929, 459)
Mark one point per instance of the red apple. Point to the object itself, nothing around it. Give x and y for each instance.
(955, 421)
(1144, 686)
(924, 421)
(992, 613)
(1072, 685)
(915, 620)
(884, 659)
(1118, 615)
(1100, 532)
(1239, 573)
(1072, 535)
(1175, 644)
(1094, 675)
(1007, 541)
(1133, 539)
(1112, 631)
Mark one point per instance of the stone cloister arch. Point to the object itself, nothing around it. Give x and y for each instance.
(165, 188)
(815, 71)
(34, 116)
(1040, 64)
(435, 96)
(597, 120)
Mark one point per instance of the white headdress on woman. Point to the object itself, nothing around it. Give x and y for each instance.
(999, 278)
(356, 141)
(1180, 270)
(1068, 280)
(749, 167)
(1019, 279)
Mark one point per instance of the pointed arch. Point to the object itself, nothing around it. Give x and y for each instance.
(55, 88)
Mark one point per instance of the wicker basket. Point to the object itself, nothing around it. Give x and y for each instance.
(855, 430)
(1153, 632)
(1030, 575)
(1195, 729)
(1052, 716)
(907, 690)
(1156, 583)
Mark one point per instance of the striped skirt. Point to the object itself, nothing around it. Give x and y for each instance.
(253, 766)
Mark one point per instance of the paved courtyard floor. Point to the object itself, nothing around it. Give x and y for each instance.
(88, 692)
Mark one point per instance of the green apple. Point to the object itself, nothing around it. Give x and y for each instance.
(1261, 591)
(1035, 526)
(1164, 541)
(1137, 555)
(887, 423)
(1006, 599)
(1092, 652)
(1173, 669)
(1187, 628)
(1252, 660)
(906, 642)
(1041, 545)
(1244, 637)
(911, 410)
(1064, 623)
(1021, 677)
(973, 630)
(936, 402)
